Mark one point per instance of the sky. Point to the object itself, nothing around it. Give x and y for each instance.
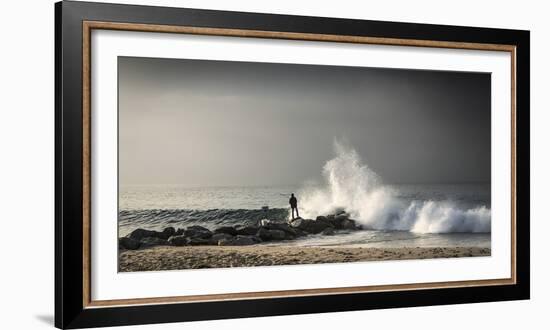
(221, 123)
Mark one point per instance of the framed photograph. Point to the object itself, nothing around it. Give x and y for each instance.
(216, 164)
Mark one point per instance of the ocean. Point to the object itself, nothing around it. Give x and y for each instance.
(398, 215)
(413, 215)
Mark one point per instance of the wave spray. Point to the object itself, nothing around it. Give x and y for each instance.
(350, 185)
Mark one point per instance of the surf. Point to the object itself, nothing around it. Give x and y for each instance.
(157, 219)
(349, 184)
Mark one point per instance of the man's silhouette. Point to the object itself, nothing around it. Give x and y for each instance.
(293, 205)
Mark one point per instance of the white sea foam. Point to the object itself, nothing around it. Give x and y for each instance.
(352, 186)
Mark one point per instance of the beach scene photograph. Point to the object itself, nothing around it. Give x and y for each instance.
(244, 164)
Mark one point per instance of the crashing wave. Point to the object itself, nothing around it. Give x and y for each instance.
(352, 186)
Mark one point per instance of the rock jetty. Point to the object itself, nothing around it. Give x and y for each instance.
(265, 231)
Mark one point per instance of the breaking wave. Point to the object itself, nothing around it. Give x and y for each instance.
(352, 186)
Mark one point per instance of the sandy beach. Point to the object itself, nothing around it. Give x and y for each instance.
(195, 257)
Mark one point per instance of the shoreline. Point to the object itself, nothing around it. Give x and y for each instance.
(200, 257)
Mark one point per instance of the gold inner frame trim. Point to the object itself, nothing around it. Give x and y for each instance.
(88, 26)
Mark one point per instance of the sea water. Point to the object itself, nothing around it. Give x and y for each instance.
(392, 215)
(159, 206)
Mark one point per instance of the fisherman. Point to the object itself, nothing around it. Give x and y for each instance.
(293, 205)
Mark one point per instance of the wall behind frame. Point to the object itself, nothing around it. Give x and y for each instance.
(27, 169)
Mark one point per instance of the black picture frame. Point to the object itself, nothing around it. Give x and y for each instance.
(70, 309)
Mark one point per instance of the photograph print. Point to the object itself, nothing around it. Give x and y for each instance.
(241, 164)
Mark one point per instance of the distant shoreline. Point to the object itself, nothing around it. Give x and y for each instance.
(198, 257)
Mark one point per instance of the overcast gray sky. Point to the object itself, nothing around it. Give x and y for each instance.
(219, 123)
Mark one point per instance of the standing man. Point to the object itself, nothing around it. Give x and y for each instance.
(293, 205)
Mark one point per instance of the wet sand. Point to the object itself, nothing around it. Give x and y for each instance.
(195, 257)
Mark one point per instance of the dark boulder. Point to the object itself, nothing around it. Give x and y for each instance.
(277, 235)
(247, 230)
(316, 227)
(152, 241)
(139, 233)
(271, 234)
(219, 236)
(349, 224)
(198, 241)
(263, 233)
(226, 230)
(179, 232)
(199, 228)
(338, 220)
(179, 240)
(128, 243)
(197, 232)
(324, 220)
(289, 231)
(300, 233)
(299, 223)
(166, 233)
(240, 240)
(310, 226)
